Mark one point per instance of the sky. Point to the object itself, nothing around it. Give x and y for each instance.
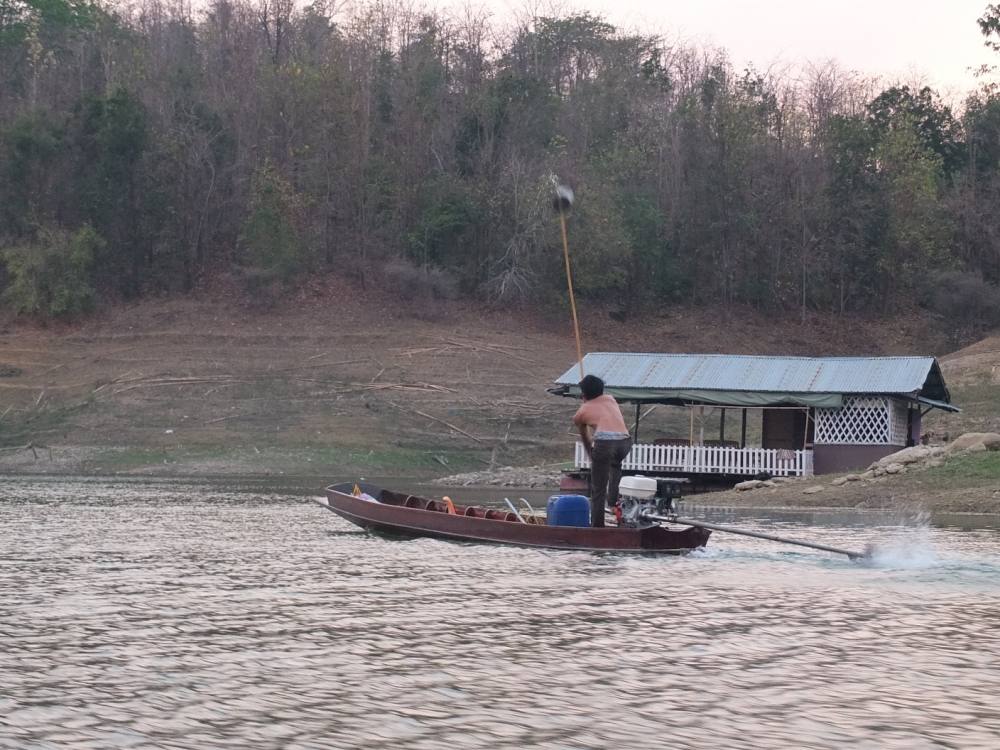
(935, 43)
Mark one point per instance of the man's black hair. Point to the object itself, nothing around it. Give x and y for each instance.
(591, 387)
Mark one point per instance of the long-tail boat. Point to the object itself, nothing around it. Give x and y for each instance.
(401, 514)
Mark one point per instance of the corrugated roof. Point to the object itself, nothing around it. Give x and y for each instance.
(723, 372)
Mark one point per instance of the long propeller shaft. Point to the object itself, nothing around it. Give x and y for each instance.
(757, 535)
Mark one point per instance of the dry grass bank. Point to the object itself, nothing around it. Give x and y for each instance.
(340, 380)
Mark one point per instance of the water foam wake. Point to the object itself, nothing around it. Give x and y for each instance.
(906, 557)
(910, 549)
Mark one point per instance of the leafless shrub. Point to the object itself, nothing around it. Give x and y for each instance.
(412, 283)
(965, 299)
(512, 275)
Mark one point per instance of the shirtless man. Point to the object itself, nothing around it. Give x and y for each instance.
(608, 447)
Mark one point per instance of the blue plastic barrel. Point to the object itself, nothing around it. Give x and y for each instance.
(568, 510)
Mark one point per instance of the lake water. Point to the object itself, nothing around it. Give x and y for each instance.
(180, 616)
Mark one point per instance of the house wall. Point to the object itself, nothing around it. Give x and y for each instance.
(915, 426)
(831, 459)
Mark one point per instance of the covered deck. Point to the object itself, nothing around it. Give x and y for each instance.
(808, 414)
(780, 443)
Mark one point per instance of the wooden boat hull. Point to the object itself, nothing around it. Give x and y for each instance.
(468, 524)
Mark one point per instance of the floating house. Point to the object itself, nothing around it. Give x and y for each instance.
(809, 415)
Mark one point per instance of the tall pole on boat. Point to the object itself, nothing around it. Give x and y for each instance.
(563, 203)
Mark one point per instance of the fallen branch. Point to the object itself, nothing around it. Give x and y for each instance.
(321, 364)
(649, 411)
(120, 379)
(29, 447)
(50, 387)
(449, 425)
(231, 416)
(452, 345)
(487, 347)
(402, 387)
(424, 350)
(210, 391)
(489, 344)
(223, 380)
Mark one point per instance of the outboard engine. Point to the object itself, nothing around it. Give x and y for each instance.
(639, 495)
(668, 493)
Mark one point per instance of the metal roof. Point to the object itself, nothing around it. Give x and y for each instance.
(724, 372)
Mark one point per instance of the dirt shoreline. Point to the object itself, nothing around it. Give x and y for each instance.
(940, 479)
(963, 482)
(879, 497)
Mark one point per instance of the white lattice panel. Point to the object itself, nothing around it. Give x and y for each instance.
(861, 421)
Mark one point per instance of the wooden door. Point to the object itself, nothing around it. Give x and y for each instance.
(784, 429)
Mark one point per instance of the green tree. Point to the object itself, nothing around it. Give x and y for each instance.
(602, 253)
(112, 136)
(273, 247)
(974, 198)
(447, 219)
(18, 17)
(917, 231)
(989, 25)
(922, 112)
(30, 190)
(854, 212)
(52, 277)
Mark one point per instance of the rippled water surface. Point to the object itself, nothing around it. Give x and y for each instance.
(146, 615)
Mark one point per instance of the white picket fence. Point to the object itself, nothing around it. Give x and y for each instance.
(707, 459)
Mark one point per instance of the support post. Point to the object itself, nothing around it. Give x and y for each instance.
(743, 430)
(635, 431)
(722, 427)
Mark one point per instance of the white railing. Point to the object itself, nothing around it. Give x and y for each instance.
(708, 459)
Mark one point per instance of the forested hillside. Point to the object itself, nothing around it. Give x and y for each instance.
(150, 149)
